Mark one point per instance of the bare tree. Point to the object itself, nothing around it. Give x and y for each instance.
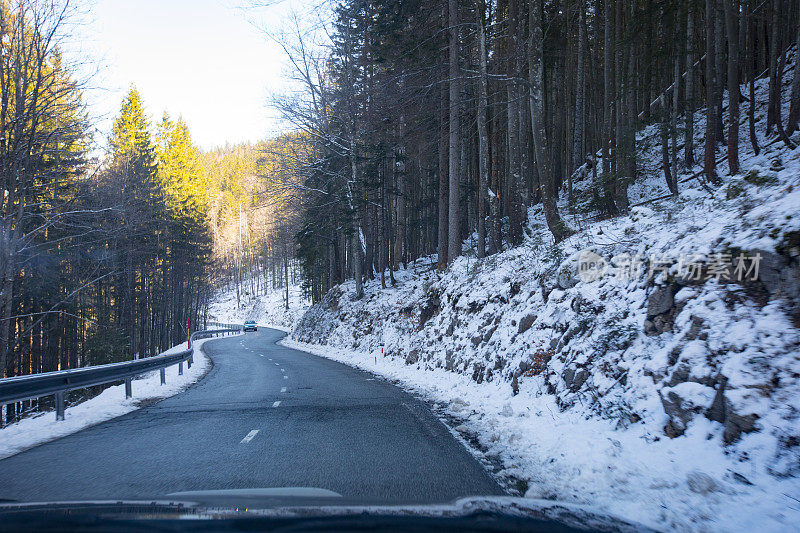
(39, 113)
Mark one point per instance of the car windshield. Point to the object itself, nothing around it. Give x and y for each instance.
(488, 255)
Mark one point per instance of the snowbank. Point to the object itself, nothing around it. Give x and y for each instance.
(111, 403)
(680, 484)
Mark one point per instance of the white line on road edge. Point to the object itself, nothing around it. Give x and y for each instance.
(249, 436)
(276, 404)
(283, 389)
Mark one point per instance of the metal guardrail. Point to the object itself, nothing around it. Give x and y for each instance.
(19, 388)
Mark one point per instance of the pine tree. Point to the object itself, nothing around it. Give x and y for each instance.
(130, 141)
(140, 208)
(180, 172)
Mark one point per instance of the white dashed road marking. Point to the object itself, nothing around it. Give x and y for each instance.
(249, 436)
(283, 389)
(285, 377)
(276, 404)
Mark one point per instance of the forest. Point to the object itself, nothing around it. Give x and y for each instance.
(547, 249)
(110, 248)
(433, 128)
(411, 129)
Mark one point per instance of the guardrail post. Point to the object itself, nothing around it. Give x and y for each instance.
(60, 406)
(180, 368)
(163, 376)
(128, 388)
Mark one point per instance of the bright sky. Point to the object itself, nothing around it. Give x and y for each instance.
(201, 59)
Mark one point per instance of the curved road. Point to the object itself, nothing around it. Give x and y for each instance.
(265, 416)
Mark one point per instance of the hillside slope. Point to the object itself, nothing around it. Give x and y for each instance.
(268, 309)
(660, 382)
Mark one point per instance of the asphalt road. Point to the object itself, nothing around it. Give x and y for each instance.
(264, 416)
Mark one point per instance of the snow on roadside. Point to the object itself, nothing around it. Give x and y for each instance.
(111, 403)
(680, 484)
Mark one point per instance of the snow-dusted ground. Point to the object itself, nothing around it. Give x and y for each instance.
(267, 310)
(111, 403)
(663, 399)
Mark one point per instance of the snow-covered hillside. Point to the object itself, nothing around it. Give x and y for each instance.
(267, 309)
(660, 382)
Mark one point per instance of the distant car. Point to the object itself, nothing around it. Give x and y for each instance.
(250, 325)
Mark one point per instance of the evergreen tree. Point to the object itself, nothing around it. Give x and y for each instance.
(130, 140)
(181, 175)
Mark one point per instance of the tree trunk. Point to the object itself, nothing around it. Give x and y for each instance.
(751, 75)
(358, 237)
(773, 105)
(286, 273)
(483, 136)
(607, 176)
(453, 233)
(580, 89)
(690, 104)
(400, 244)
(630, 107)
(443, 170)
(709, 160)
(6, 314)
(557, 227)
(776, 70)
(676, 84)
(622, 172)
(719, 49)
(794, 108)
(512, 120)
(357, 264)
(664, 134)
(732, 24)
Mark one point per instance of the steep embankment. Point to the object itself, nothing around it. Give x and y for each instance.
(662, 384)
